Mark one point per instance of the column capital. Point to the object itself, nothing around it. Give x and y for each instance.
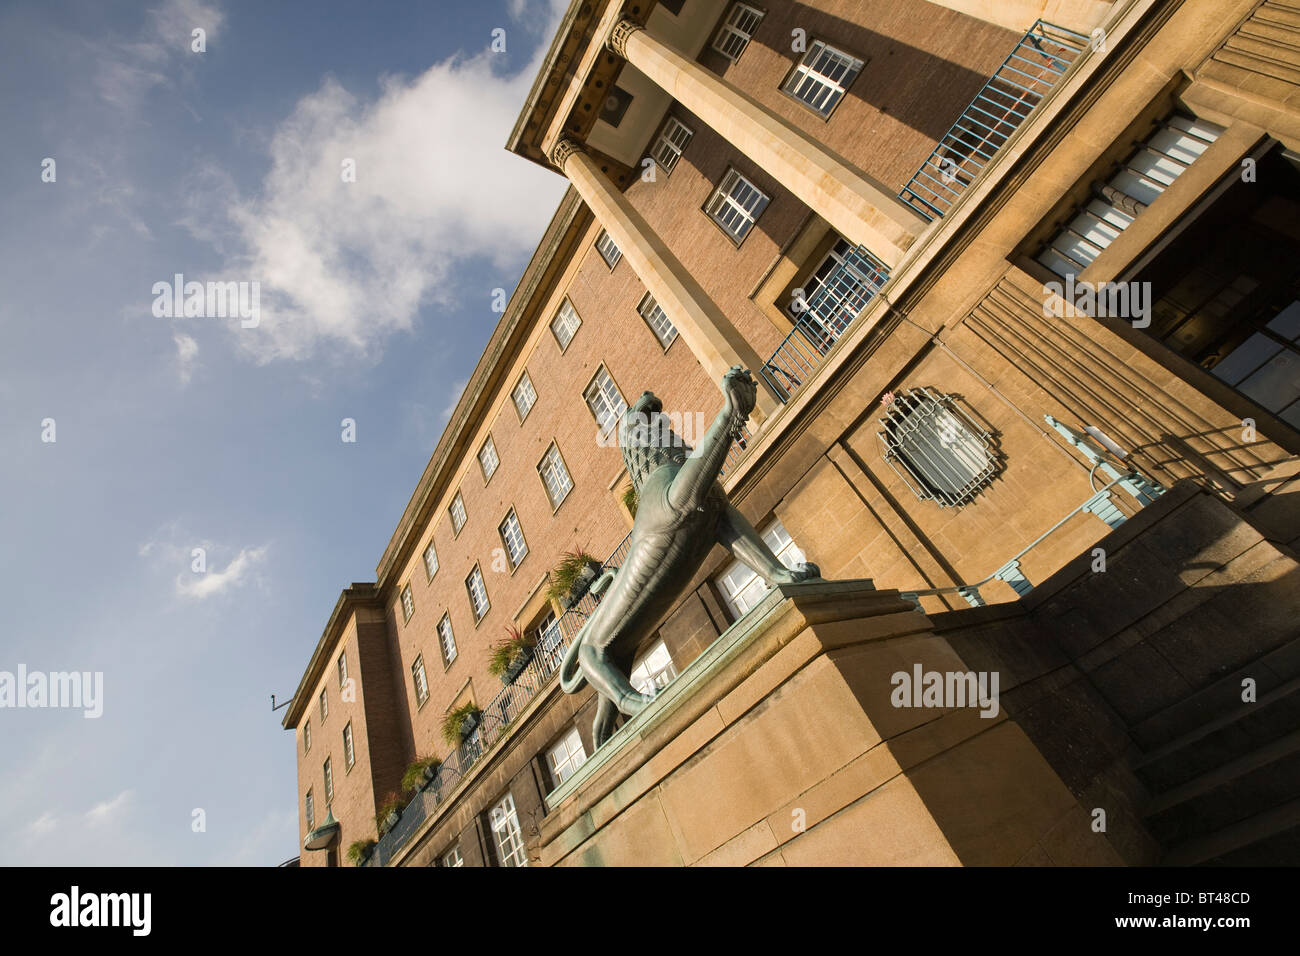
(565, 147)
(623, 29)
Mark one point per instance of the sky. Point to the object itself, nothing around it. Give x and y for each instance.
(178, 507)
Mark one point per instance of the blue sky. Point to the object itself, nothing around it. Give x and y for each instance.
(179, 433)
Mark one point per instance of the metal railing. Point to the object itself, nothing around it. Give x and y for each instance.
(1036, 64)
(494, 718)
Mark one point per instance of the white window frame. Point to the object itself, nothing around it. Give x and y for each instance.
(349, 747)
(509, 836)
(452, 857)
(731, 214)
(566, 756)
(324, 704)
(565, 324)
(524, 390)
(420, 679)
(447, 640)
(740, 586)
(408, 603)
(818, 90)
(459, 517)
(608, 249)
(309, 809)
(733, 36)
(343, 668)
(475, 576)
(654, 315)
(327, 769)
(654, 670)
(488, 459)
(306, 736)
(604, 400)
(430, 561)
(551, 469)
(512, 537)
(670, 144)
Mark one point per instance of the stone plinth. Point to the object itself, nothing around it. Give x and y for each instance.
(780, 745)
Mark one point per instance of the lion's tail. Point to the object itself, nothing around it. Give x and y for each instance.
(571, 676)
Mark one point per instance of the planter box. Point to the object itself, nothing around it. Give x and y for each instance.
(522, 660)
(582, 584)
(390, 821)
(468, 725)
(431, 771)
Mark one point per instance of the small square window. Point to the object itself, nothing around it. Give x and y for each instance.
(349, 755)
(566, 756)
(453, 858)
(671, 143)
(614, 107)
(512, 536)
(478, 598)
(487, 459)
(736, 205)
(447, 640)
(822, 77)
(408, 604)
(654, 670)
(430, 561)
(565, 324)
(421, 681)
(737, 30)
(457, 512)
(524, 396)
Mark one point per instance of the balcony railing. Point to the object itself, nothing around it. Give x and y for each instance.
(494, 718)
(1028, 74)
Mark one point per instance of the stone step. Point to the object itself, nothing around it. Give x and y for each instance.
(1218, 741)
(1271, 838)
(1265, 778)
(1220, 700)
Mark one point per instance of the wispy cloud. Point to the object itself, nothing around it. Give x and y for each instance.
(198, 575)
(187, 353)
(129, 69)
(109, 810)
(212, 583)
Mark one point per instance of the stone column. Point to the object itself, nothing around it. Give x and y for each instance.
(857, 206)
(699, 321)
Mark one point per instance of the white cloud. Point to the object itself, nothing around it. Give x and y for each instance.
(345, 265)
(106, 812)
(187, 353)
(128, 71)
(210, 583)
(43, 824)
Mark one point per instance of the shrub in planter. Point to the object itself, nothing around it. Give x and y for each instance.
(419, 772)
(457, 724)
(390, 811)
(360, 851)
(631, 499)
(511, 656)
(571, 577)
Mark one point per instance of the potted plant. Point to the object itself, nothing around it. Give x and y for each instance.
(420, 772)
(460, 723)
(390, 811)
(360, 851)
(511, 656)
(571, 578)
(631, 499)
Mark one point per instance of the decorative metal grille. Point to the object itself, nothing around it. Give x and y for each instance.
(937, 451)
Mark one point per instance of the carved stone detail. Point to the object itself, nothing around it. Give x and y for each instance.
(563, 149)
(623, 29)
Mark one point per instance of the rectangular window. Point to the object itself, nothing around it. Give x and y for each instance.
(430, 561)
(822, 78)
(605, 401)
(408, 604)
(487, 459)
(478, 598)
(509, 837)
(737, 30)
(736, 205)
(550, 642)
(306, 737)
(349, 755)
(524, 396)
(329, 782)
(1144, 175)
(670, 144)
(447, 639)
(420, 679)
(654, 670)
(457, 512)
(555, 476)
(566, 756)
(565, 324)
(608, 250)
(343, 668)
(836, 293)
(453, 858)
(310, 807)
(741, 586)
(658, 320)
(324, 706)
(512, 536)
